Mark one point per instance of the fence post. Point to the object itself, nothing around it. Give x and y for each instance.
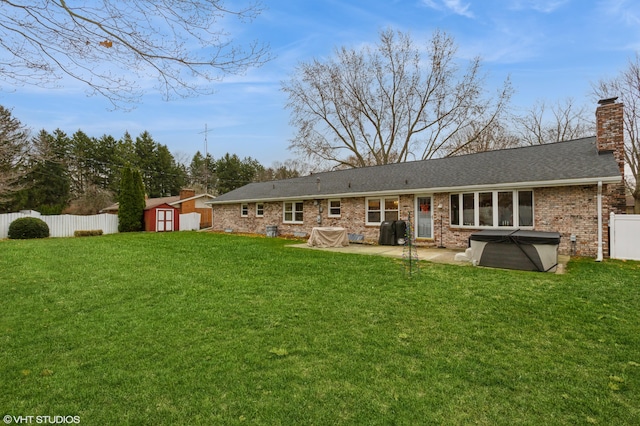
(612, 235)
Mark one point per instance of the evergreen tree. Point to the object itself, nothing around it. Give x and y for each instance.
(13, 154)
(125, 151)
(48, 185)
(202, 172)
(233, 173)
(169, 176)
(145, 150)
(106, 164)
(81, 162)
(131, 199)
(140, 192)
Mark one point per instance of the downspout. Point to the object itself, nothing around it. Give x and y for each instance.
(599, 256)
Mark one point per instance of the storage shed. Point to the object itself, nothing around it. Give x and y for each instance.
(162, 218)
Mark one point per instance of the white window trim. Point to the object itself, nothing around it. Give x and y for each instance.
(259, 214)
(329, 207)
(476, 209)
(244, 210)
(382, 209)
(293, 212)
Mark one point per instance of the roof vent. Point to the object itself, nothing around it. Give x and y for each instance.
(607, 101)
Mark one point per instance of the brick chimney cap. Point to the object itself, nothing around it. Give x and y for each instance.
(607, 101)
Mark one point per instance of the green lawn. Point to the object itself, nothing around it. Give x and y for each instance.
(197, 328)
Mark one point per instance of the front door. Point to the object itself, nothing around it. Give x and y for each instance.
(424, 220)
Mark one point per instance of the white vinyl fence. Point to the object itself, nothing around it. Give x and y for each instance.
(64, 225)
(624, 233)
(190, 222)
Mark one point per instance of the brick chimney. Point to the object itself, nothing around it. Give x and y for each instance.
(187, 206)
(610, 138)
(610, 129)
(187, 193)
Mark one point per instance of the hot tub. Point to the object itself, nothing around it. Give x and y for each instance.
(509, 249)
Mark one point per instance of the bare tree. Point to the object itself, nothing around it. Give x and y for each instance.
(388, 103)
(14, 149)
(495, 136)
(91, 201)
(112, 46)
(561, 122)
(626, 86)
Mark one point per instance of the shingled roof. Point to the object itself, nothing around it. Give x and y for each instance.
(572, 162)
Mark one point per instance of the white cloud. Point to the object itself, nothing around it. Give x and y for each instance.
(458, 8)
(543, 6)
(454, 6)
(626, 11)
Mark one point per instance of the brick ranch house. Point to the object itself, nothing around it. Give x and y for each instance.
(568, 187)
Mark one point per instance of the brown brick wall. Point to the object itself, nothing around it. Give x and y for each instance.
(567, 210)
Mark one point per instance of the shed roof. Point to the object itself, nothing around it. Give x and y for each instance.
(150, 203)
(556, 164)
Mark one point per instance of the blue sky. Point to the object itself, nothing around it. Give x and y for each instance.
(551, 49)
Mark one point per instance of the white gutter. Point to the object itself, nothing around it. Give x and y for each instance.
(599, 256)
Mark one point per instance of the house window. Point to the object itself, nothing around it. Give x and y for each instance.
(505, 208)
(259, 210)
(468, 209)
(244, 210)
(391, 209)
(525, 208)
(334, 208)
(492, 209)
(455, 209)
(485, 208)
(293, 212)
(382, 209)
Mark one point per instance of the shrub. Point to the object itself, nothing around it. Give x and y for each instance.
(28, 227)
(88, 233)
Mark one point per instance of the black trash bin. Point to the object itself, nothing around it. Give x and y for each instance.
(400, 229)
(387, 234)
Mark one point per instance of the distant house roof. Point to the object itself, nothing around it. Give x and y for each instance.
(572, 162)
(195, 197)
(150, 203)
(154, 202)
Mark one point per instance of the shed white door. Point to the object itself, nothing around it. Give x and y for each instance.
(164, 220)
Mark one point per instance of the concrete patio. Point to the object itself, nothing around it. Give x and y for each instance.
(430, 254)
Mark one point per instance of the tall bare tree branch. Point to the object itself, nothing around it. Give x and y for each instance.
(115, 47)
(391, 102)
(626, 86)
(561, 121)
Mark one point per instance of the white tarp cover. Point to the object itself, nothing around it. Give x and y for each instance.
(328, 237)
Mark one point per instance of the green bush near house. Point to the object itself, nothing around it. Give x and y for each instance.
(26, 228)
